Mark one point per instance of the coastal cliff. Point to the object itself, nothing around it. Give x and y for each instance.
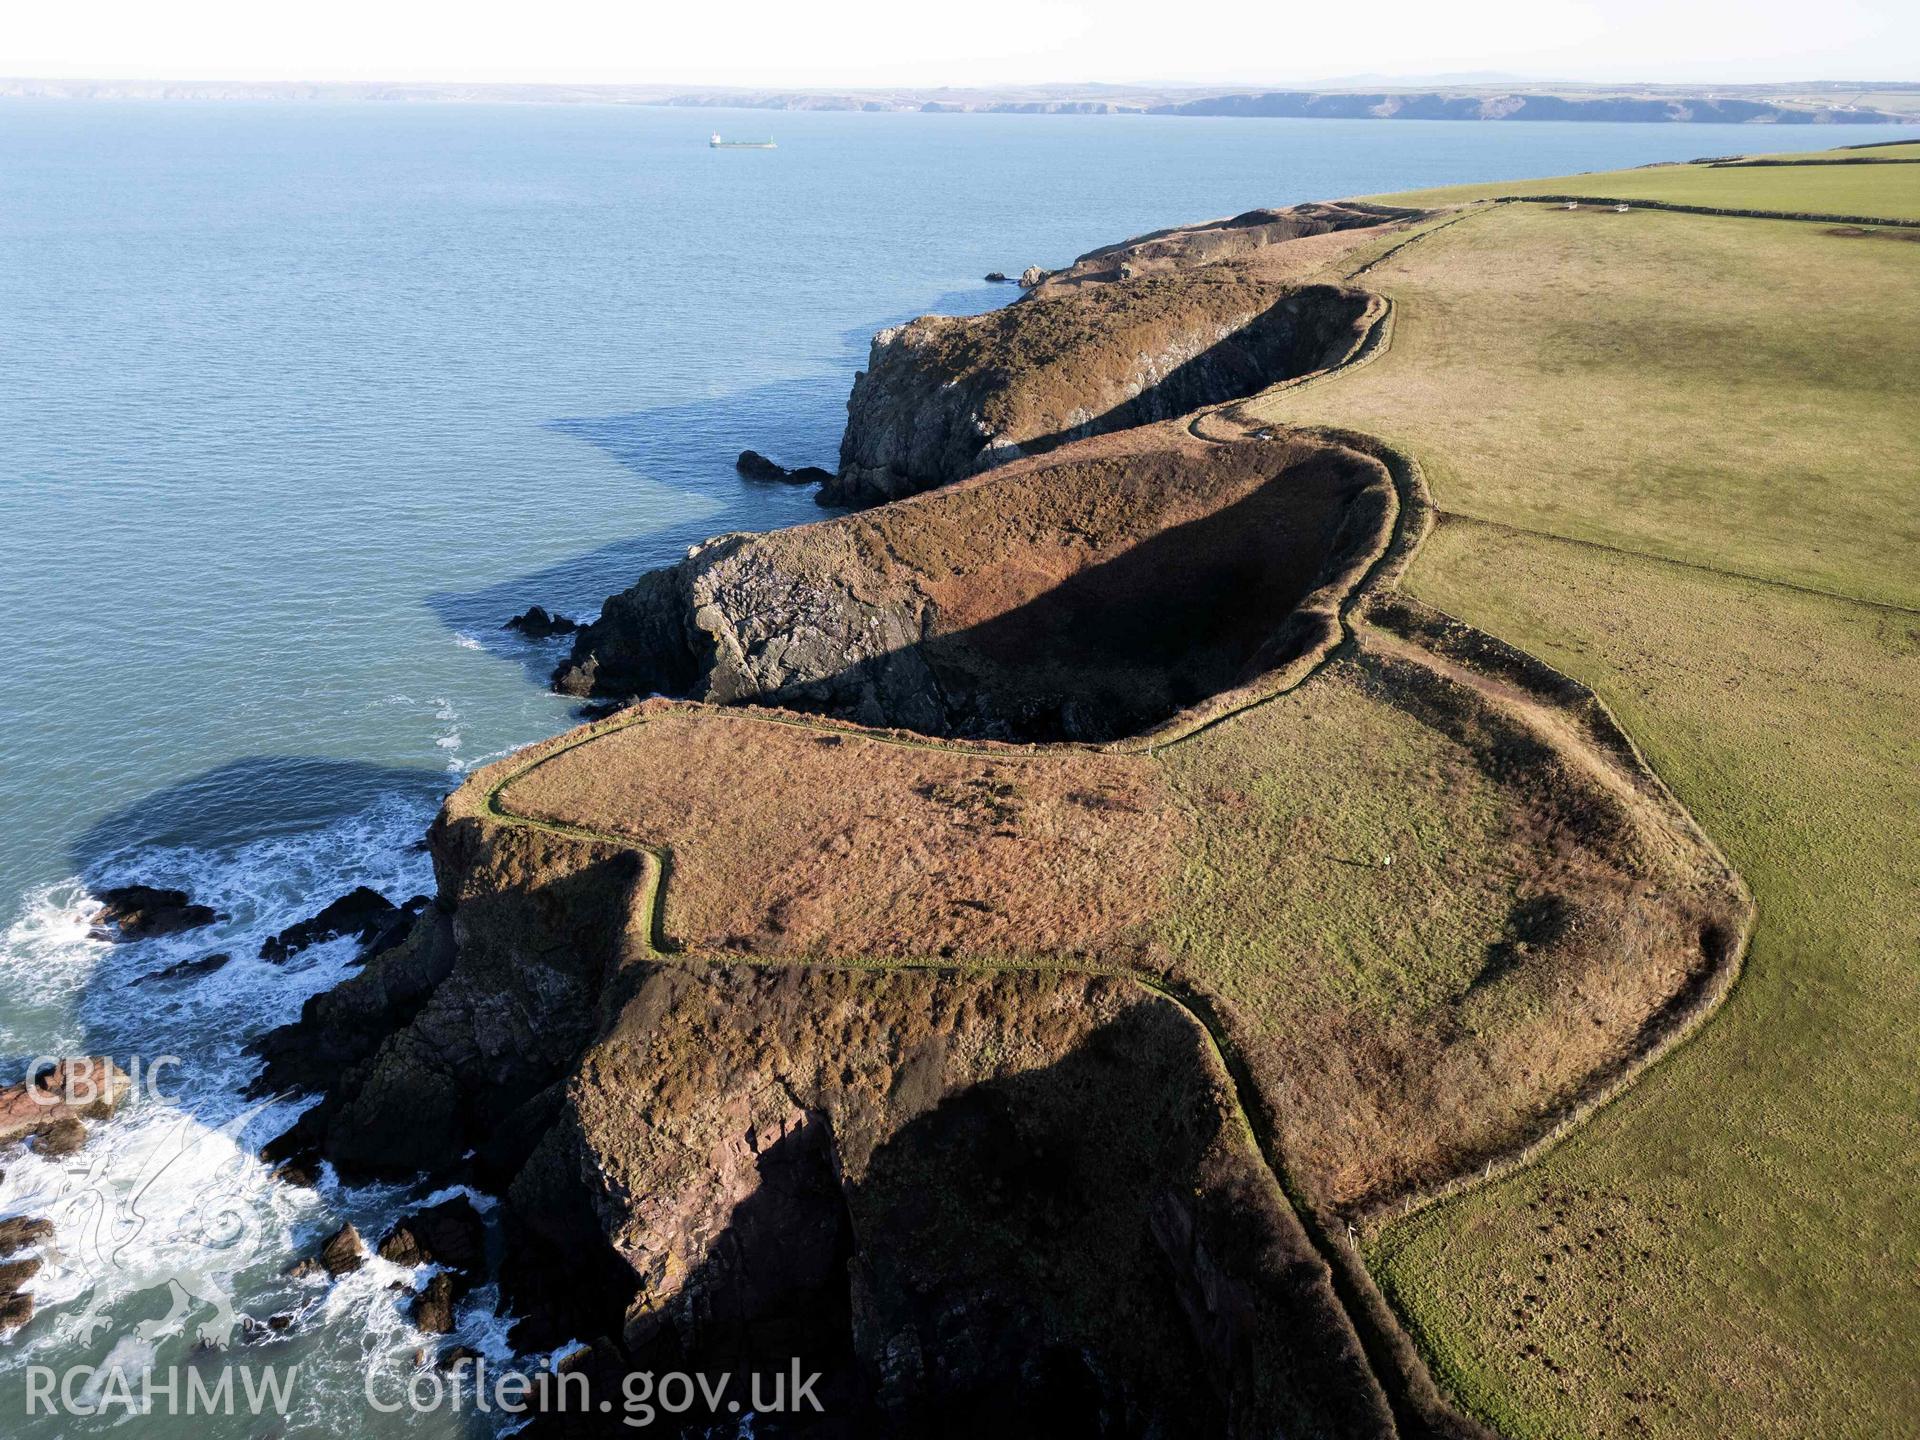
(945, 397)
(1053, 600)
(1068, 909)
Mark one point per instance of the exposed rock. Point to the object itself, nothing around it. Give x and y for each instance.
(343, 1253)
(17, 1232)
(433, 1307)
(15, 1273)
(1031, 276)
(56, 1100)
(1010, 608)
(450, 1233)
(187, 969)
(537, 624)
(944, 397)
(994, 277)
(139, 912)
(295, 1172)
(457, 1357)
(307, 1268)
(344, 1025)
(756, 466)
(15, 1311)
(1252, 233)
(770, 1201)
(363, 912)
(62, 1137)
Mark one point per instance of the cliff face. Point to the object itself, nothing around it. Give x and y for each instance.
(1084, 599)
(926, 1186)
(944, 397)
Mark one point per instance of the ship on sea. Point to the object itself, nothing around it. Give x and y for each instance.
(715, 142)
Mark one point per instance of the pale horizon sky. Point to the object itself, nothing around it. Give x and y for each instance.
(876, 43)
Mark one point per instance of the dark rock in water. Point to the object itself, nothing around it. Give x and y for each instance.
(305, 1174)
(139, 912)
(306, 1269)
(450, 1233)
(19, 1231)
(15, 1311)
(343, 1253)
(433, 1310)
(537, 624)
(756, 466)
(456, 1356)
(363, 912)
(62, 1137)
(184, 969)
(994, 277)
(16, 1273)
(598, 710)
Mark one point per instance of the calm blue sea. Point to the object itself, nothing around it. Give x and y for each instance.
(299, 402)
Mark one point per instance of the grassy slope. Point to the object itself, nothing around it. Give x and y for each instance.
(1722, 393)
(1770, 1166)
(1890, 191)
(1729, 1249)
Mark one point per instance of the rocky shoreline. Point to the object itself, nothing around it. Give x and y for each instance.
(735, 1002)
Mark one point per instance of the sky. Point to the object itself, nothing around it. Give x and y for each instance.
(849, 43)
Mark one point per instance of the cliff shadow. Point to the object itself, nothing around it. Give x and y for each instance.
(1296, 335)
(1071, 1249)
(1114, 648)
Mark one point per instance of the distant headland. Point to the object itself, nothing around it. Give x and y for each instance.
(1796, 103)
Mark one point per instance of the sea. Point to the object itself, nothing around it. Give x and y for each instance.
(299, 402)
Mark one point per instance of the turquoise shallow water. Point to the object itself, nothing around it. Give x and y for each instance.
(299, 402)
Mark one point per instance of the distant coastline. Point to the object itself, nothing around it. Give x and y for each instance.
(1811, 103)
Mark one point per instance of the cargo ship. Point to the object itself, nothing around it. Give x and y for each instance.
(715, 142)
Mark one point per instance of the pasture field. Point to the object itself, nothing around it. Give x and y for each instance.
(1889, 192)
(1674, 456)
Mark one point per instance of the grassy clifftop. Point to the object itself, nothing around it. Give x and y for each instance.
(1673, 454)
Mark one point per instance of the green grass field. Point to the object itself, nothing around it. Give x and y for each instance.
(1643, 433)
(1885, 191)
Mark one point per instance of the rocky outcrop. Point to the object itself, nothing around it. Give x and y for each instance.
(754, 1175)
(1012, 607)
(537, 623)
(945, 397)
(140, 912)
(1236, 238)
(71, 1091)
(755, 466)
(364, 913)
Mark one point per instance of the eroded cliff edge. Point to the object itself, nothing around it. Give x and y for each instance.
(787, 1034)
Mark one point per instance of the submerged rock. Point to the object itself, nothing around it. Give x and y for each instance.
(186, 969)
(537, 623)
(140, 912)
